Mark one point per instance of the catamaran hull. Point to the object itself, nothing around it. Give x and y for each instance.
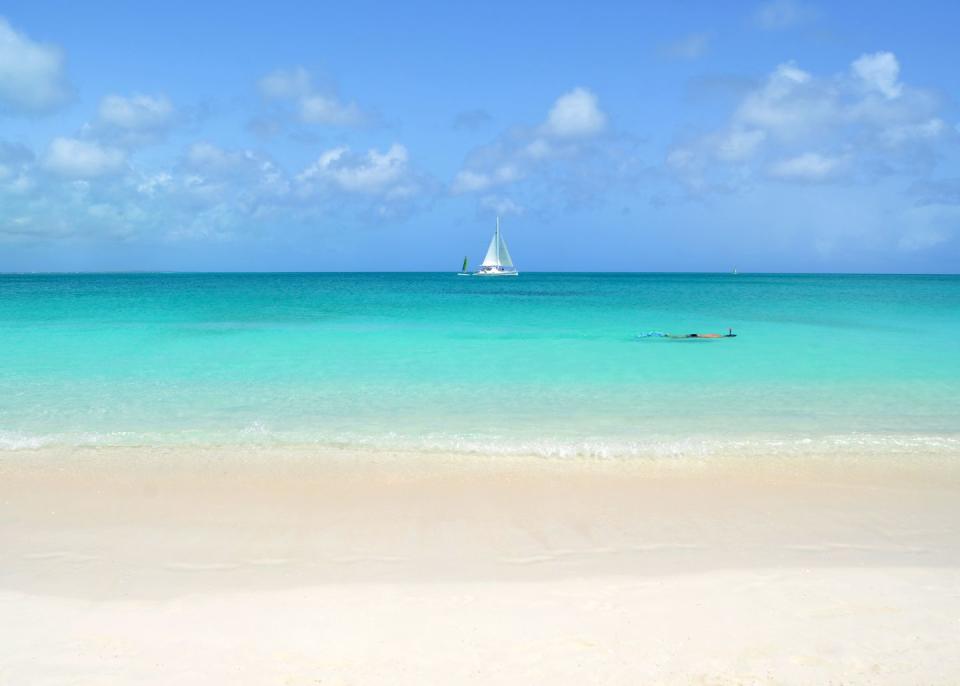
(496, 273)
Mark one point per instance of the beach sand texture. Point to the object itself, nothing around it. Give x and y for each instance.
(225, 566)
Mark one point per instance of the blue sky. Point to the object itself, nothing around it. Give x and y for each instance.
(771, 136)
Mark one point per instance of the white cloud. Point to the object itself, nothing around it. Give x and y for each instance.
(570, 158)
(538, 149)
(373, 172)
(740, 144)
(155, 183)
(809, 166)
(209, 158)
(790, 103)
(313, 107)
(80, 159)
(321, 109)
(575, 114)
(286, 83)
(863, 120)
(213, 173)
(880, 72)
(902, 133)
(500, 205)
(782, 14)
(82, 188)
(136, 113)
(32, 76)
(689, 47)
(468, 181)
(573, 119)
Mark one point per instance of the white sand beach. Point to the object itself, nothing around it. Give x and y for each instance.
(222, 566)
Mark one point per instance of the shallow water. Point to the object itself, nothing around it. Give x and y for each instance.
(544, 363)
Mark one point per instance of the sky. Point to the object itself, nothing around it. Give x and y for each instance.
(772, 136)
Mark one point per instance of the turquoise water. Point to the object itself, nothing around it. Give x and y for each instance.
(543, 363)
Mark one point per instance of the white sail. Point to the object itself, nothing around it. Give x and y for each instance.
(505, 260)
(497, 253)
(492, 260)
(497, 261)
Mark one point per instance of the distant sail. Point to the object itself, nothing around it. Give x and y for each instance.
(464, 268)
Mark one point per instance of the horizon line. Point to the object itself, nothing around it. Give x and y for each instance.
(370, 271)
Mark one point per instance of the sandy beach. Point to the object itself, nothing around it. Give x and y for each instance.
(228, 566)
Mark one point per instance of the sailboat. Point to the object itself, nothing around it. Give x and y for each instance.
(463, 269)
(498, 261)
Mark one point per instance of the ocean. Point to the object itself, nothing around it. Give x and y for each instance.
(543, 364)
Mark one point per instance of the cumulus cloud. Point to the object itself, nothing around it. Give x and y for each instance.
(313, 107)
(739, 144)
(209, 158)
(783, 14)
(809, 166)
(904, 133)
(859, 120)
(469, 181)
(136, 112)
(880, 72)
(789, 104)
(132, 120)
(286, 83)
(212, 174)
(322, 109)
(573, 124)
(373, 172)
(76, 187)
(575, 114)
(570, 159)
(377, 185)
(83, 188)
(499, 205)
(32, 75)
(79, 159)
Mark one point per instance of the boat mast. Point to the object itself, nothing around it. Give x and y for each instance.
(498, 240)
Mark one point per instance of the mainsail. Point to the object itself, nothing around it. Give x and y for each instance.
(497, 253)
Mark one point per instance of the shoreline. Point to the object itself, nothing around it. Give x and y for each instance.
(214, 566)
